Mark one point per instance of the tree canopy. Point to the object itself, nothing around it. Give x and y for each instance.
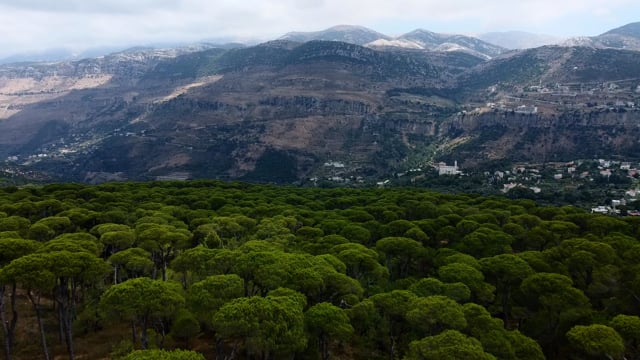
(235, 270)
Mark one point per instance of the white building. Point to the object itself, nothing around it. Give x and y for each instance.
(524, 109)
(601, 210)
(444, 169)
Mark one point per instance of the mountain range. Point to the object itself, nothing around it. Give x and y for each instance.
(358, 35)
(418, 39)
(346, 103)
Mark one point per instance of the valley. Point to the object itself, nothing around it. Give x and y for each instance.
(278, 111)
(335, 194)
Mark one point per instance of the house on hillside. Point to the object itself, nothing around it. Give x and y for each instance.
(601, 210)
(444, 169)
(526, 109)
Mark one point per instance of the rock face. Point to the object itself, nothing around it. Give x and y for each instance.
(283, 110)
(539, 138)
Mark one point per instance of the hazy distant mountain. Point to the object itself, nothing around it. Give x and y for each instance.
(418, 40)
(62, 55)
(47, 55)
(427, 40)
(519, 39)
(358, 35)
(626, 37)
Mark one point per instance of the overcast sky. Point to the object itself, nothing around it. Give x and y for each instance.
(31, 25)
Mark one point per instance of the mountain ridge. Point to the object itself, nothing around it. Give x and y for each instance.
(281, 110)
(344, 33)
(418, 39)
(354, 34)
(631, 29)
(626, 37)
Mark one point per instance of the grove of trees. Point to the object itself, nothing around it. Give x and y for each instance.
(229, 270)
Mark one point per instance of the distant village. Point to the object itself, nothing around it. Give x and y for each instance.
(537, 179)
(622, 95)
(554, 176)
(619, 181)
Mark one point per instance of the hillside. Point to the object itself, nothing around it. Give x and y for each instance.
(630, 30)
(626, 37)
(419, 39)
(281, 110)
(301, 102)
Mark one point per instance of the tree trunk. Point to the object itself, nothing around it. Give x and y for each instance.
(5, 328)
(115, 274)
(14, 314)
(220, 349)
(392, 350)
(9, 328)
(389, 264)
(65, 298)
(69, 336)
(164, 269)
(505, 306)
(67, 312)
(60, 324)
(74, 299)
(232, 355)
(184, 280)
(134, 336)
(324, 346)
(143, 336)
(35, 300)
(160, 330)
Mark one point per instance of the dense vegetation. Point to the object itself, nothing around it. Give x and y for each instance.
(230, 270)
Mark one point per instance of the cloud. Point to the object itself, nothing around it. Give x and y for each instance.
(35, 24)
(89, 7)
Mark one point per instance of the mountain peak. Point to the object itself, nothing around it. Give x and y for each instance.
(625, 37)
(429, 40)
(420, 31)
(354, 34)
(631, 30)
(345, 27)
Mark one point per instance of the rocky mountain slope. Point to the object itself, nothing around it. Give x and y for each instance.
(417, 40)
(427, 40)
(283, 111)
(626, 37)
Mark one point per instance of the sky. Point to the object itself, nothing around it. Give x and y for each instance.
(36, 25)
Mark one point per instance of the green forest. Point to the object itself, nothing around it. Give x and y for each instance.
(229, 270)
